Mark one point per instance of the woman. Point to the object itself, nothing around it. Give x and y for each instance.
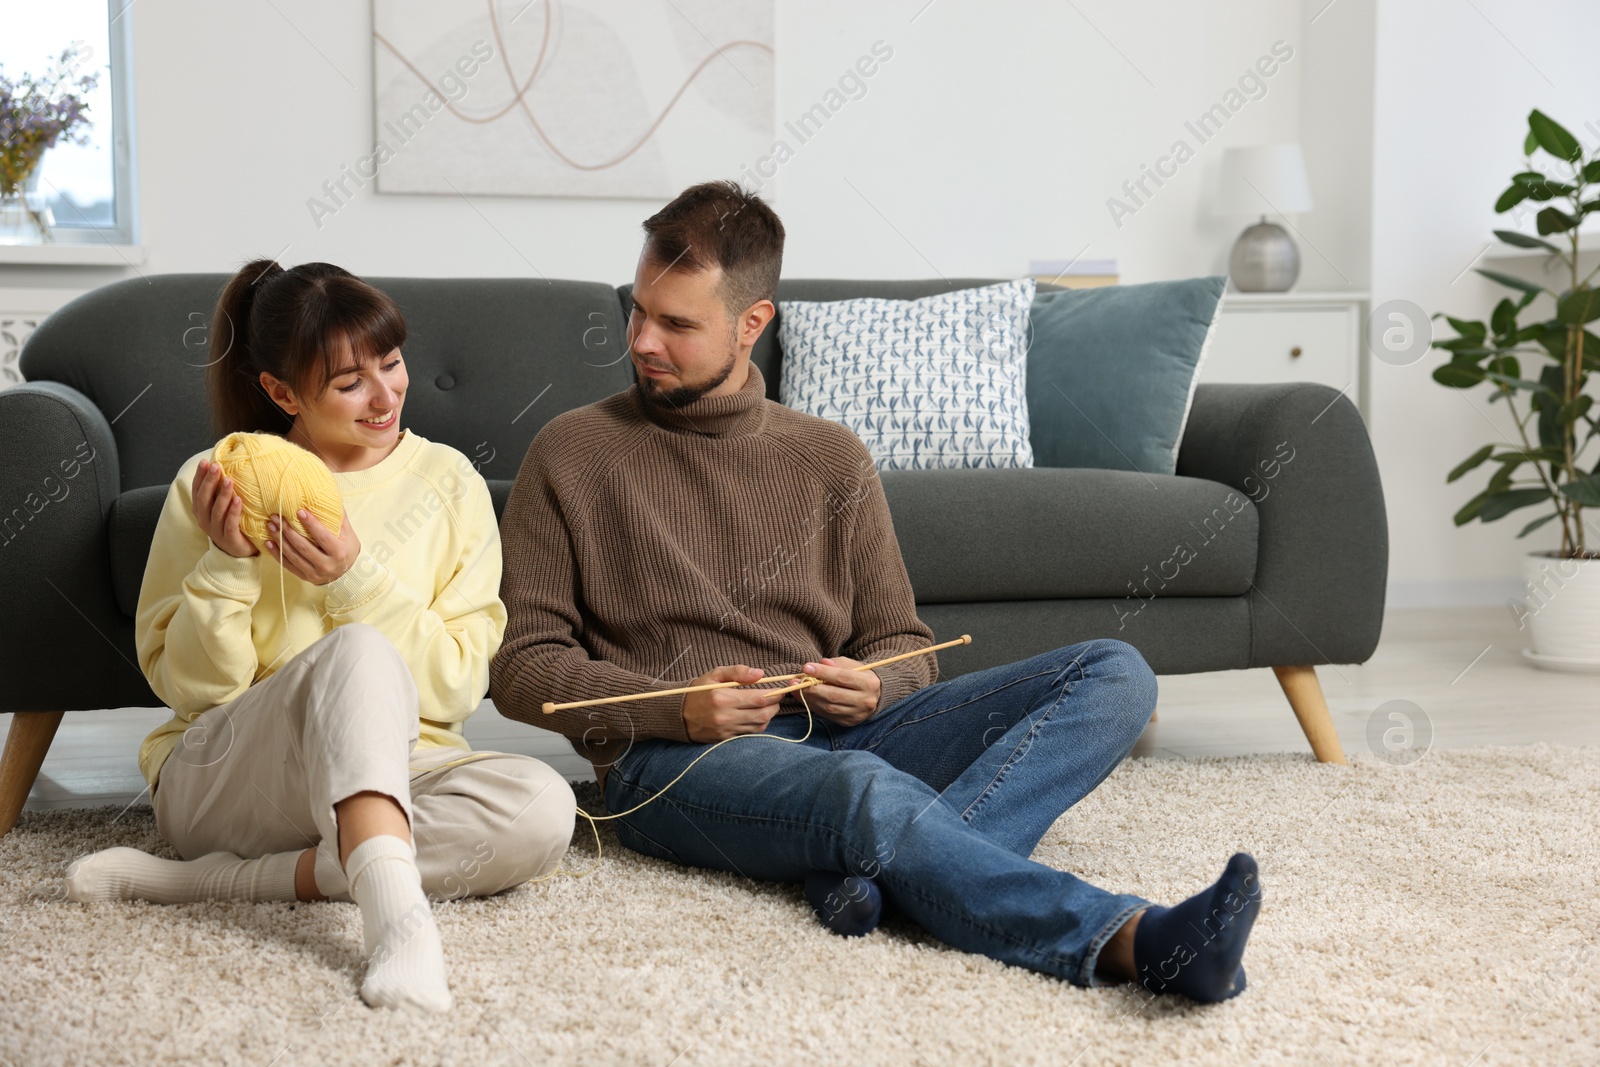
(319, 681)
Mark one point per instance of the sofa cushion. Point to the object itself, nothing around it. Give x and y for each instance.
(933, 383)
(131, 529)
(1111, 372)
(769, 357)
(1045, 533)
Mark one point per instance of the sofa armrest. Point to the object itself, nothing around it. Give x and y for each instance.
(1301, 453)
(64, 646)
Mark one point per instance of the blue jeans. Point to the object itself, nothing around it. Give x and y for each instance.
(941, 797)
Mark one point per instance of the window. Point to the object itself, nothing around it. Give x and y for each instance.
(89, 188)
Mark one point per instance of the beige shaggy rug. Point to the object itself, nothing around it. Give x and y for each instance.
(1444, 913)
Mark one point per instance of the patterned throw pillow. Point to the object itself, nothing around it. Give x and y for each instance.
(932, 383)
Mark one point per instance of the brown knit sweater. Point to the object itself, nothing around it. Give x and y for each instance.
(644, 547)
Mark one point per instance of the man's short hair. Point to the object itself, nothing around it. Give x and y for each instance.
(718, 224)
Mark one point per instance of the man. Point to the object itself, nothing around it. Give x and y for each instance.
(687, 528)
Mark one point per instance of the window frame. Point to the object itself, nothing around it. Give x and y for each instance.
(124, 171)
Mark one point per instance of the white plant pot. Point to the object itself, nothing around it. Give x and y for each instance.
(1560, 610)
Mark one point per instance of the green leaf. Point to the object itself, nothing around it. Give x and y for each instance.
(1576, 410)
(1469, 329)
(1522, 240)
(1462, 349)
(1541, 186)
(1529, 143)
(1465, 346)
(1584, 490)
(1470, 509)
(1591, 171)
(1536, 523)
(1458, 375)
(1504, 319)
(1507, 365)
(1554, 220)
(1532, 455)
(1474, 460)
(1502, 504)
(1578, 307)
(1552, 433)
(1553, 137)
(1515, 383)
(1553, 339)
(1509, 199)
(1511, 281)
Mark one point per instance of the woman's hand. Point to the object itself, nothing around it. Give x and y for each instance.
(317, 559)
(217, 509)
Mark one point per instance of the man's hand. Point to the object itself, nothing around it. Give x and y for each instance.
(843, 695)
(718, 714)
(317, 559)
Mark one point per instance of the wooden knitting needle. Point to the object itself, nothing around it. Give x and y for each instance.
(964, 639)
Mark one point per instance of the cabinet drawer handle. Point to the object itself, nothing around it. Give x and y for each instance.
(1295, 351)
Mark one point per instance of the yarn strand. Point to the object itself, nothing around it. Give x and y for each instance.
(596, 820)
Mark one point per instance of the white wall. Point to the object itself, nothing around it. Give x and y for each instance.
(994, 136)
(1336, 114)
(1454, 86)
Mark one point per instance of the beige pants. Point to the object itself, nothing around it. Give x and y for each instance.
(262, 773)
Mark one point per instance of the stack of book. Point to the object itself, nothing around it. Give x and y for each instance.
(1074, 273)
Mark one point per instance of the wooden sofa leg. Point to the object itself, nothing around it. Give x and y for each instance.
(26, 744)
(1300, 685)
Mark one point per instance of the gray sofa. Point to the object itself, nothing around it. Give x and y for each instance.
(1286, 569)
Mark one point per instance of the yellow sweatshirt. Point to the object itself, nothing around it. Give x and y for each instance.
(209, 625)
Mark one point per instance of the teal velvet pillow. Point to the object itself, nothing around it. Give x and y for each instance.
(1111, 372)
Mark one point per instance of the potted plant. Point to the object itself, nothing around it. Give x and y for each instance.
(1541, 370)
(35, 114)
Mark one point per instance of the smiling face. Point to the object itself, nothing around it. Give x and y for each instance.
(682, 339)
(355, 422)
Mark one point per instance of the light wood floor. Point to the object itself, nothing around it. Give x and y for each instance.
(1461, 670)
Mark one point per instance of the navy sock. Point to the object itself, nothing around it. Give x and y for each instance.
(1195, 948)
(847, 904)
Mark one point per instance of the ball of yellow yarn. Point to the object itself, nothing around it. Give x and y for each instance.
(274, 476)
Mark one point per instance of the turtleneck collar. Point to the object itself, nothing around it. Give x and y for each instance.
(733, 415)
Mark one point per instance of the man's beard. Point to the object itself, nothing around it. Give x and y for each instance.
(683, 394)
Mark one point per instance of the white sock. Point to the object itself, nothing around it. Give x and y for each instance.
(330, 878)
(405, 961)
(128, 874)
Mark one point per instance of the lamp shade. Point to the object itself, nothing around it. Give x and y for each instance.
(1262, 179)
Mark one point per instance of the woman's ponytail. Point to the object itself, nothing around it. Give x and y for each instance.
(233, 375)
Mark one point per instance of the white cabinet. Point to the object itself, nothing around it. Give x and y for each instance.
(1289, 337)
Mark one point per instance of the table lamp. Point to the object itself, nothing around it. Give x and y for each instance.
(1255, 181)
